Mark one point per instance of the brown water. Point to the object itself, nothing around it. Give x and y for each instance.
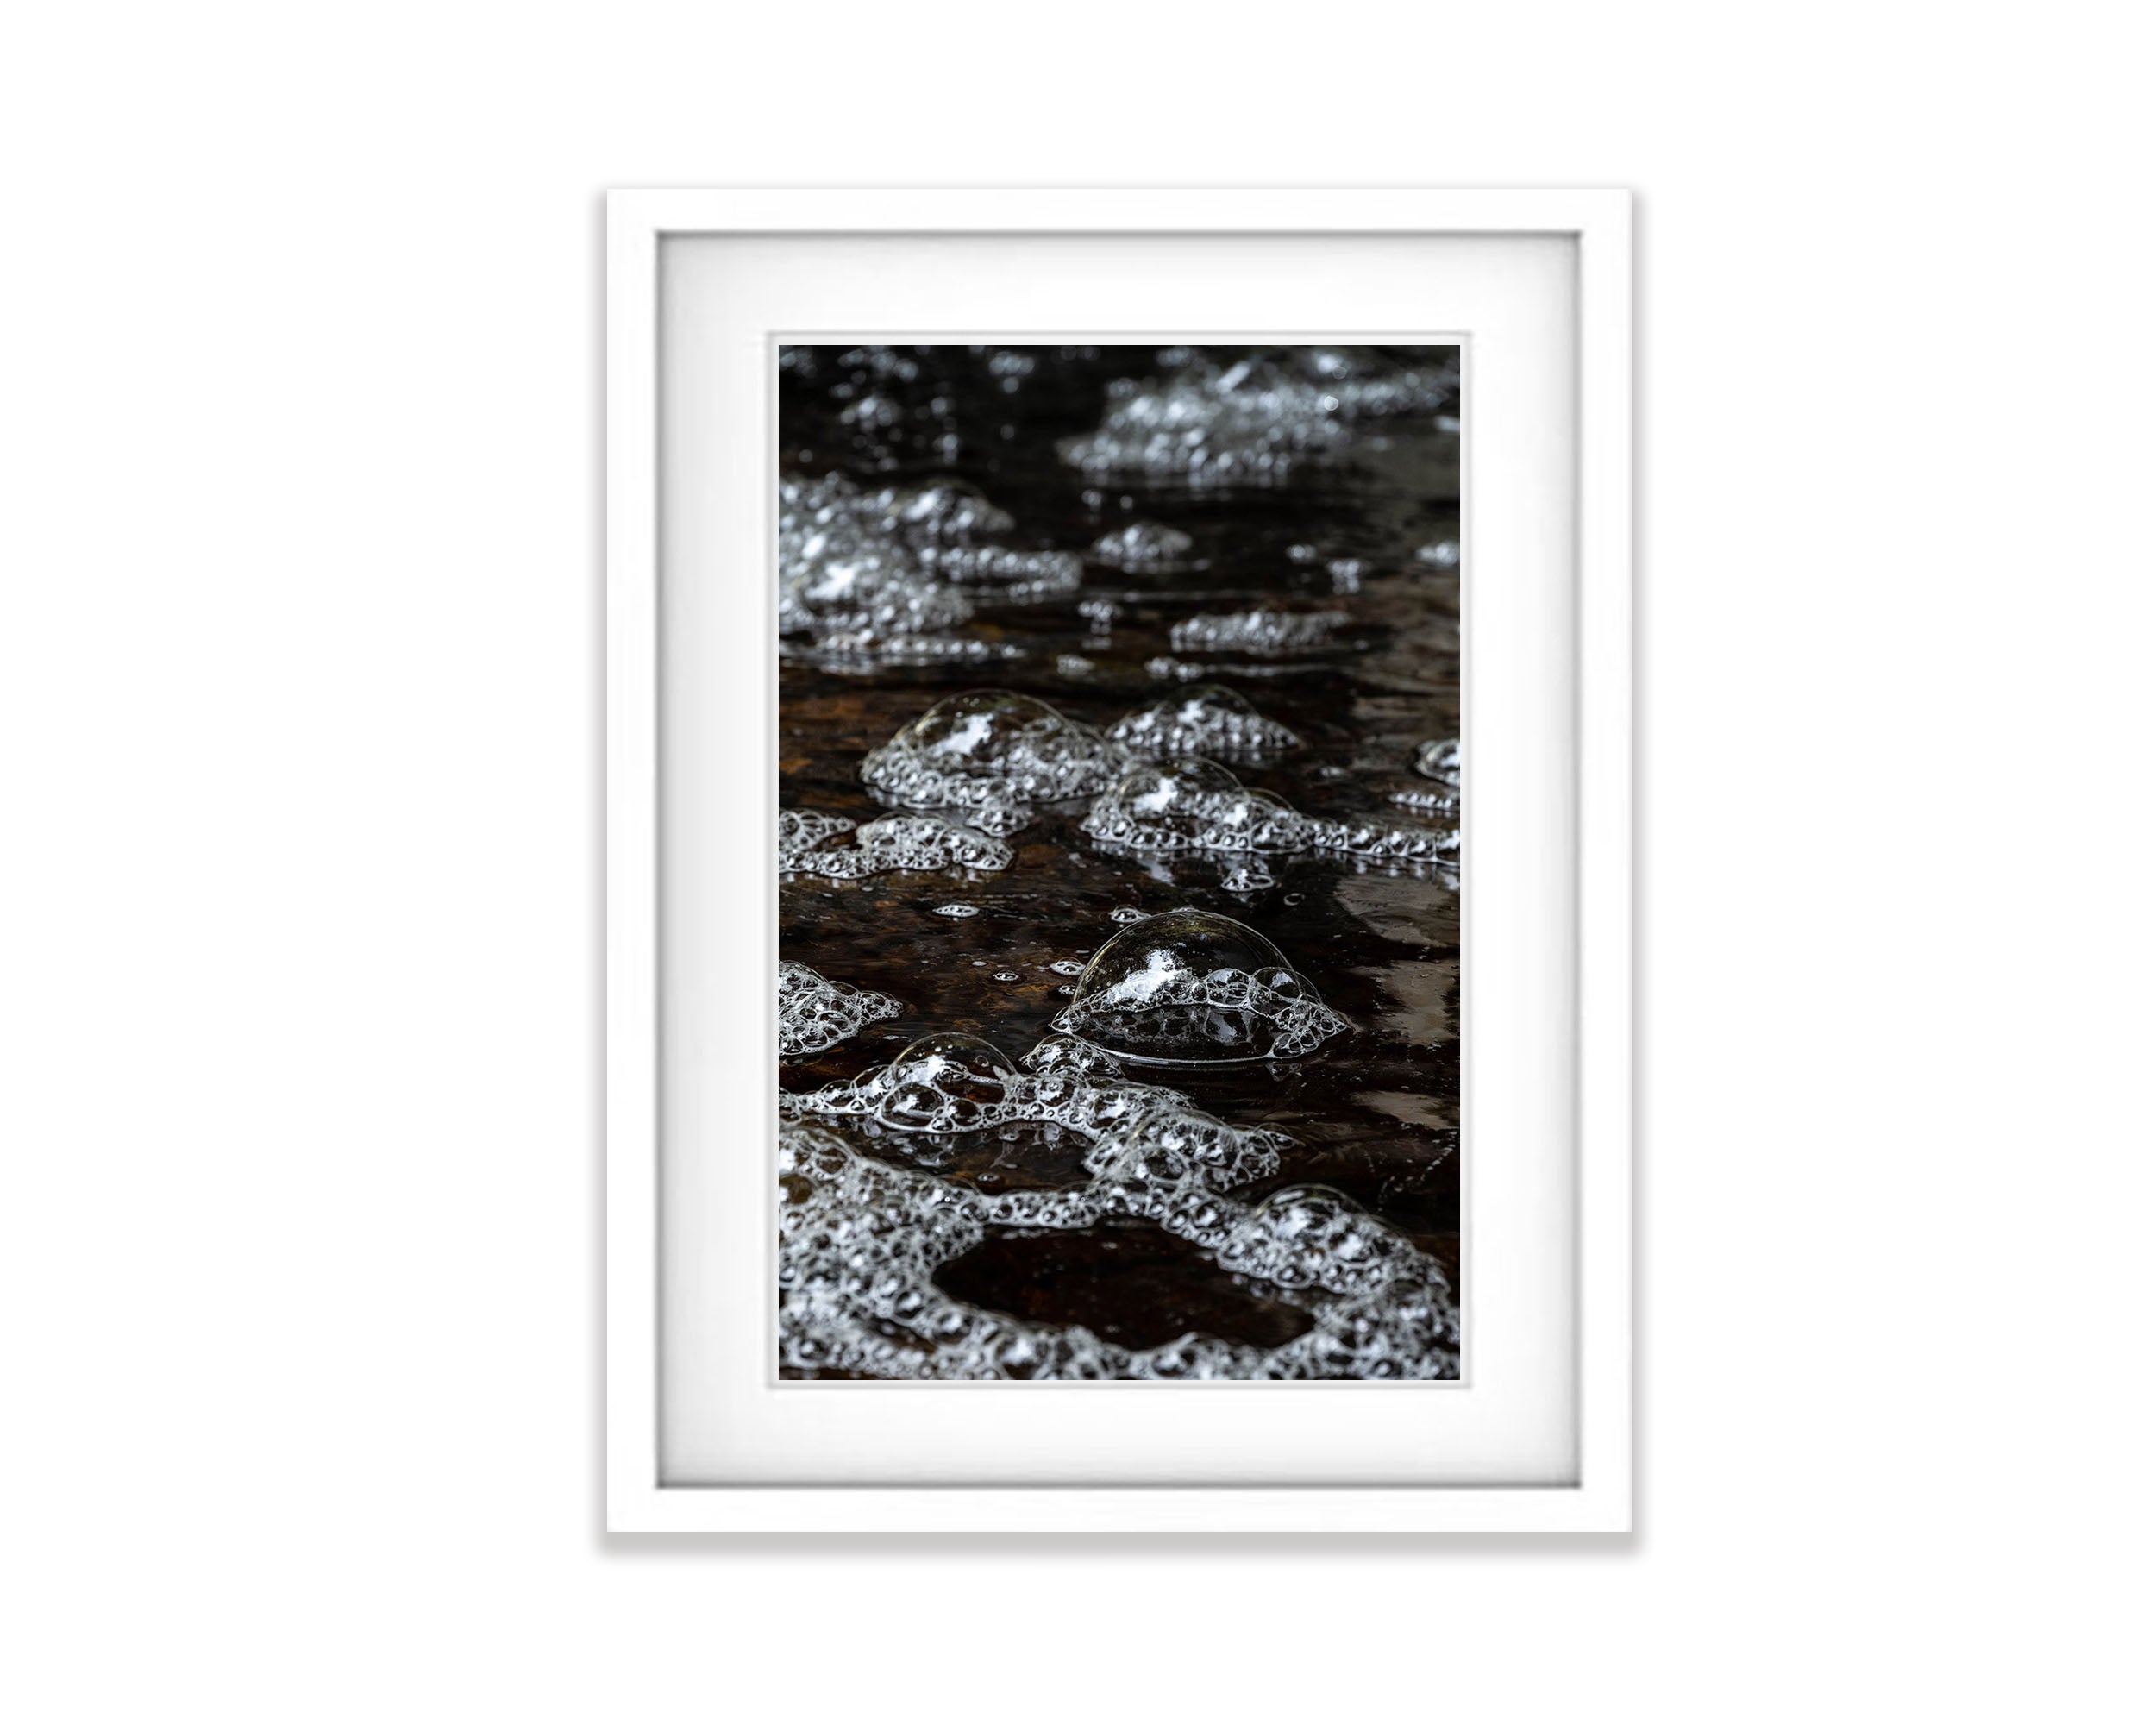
(1373, 1112)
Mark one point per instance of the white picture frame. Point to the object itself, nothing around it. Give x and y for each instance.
(1596, 1496)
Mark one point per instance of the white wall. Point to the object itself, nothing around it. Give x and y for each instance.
(296, 1246)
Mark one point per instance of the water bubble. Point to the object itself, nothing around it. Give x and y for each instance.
(805, 829)
(1007, 975)
(917, 842)
(1263, 633)
(1445, 554)
(1306, 1236)
(957, 910)
(1067, 967)
(1190, 804)
(1143, 545)
(1440, 760)
(1251, 423)
(1193, 804)
(1190, 987)
(1209, 719)
(860, 1237)
(1126, 914)
(990, 748)
(944, 1082)
(815, 1013)
(871, 577)
(948, 511)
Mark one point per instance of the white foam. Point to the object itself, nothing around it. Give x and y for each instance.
(1439, 759)
(1265, 632)
(1209, 720)
(815, 1013)
(874, 577)
(861, 1239)
(916, 842)
(1251, 422)
(994, 753)
(1193, 804)
(1143, 545)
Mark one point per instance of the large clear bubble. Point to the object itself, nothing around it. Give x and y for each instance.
(992, 752)
(1193, 804)
(1439, 759)
(1191, 988)
(1209, 719)
(945, 1083)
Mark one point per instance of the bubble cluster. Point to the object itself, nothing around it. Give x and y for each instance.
(875, 573)
(860, 1240)
(1189, 988)
(994, 753)
(922, 843)
(1143, 545)
(1439, 759)
(815, 1013)
(951, 1082)
(1209, 720)
(1193, 805)
(1263, 633)
(1311, 1236)
(874, 577)
(1253, 421)
(843, 569)
(1190, 804)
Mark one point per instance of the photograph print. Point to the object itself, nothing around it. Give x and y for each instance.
(1119, 801)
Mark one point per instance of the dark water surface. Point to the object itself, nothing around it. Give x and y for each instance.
(1374, 1112)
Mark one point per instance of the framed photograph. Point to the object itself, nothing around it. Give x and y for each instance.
(1119, 861)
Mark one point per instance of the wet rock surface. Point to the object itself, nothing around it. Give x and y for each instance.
(1371, 1111)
